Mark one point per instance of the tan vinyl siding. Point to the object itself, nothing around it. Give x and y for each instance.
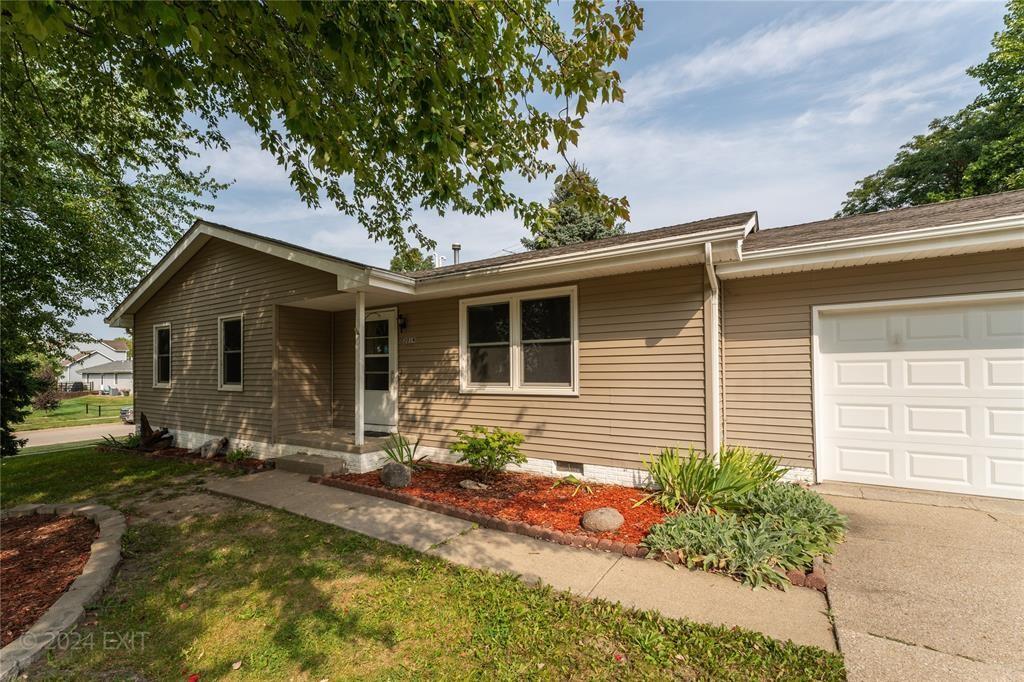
(304, 369)
(641, 374)
(767, 335)
(221, 279)
(344, 368)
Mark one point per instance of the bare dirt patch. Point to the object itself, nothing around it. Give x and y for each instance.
(40, 556)
(180, 508)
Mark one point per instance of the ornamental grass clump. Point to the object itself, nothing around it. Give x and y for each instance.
(696, 481)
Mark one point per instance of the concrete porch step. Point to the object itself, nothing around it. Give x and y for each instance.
(311, 465)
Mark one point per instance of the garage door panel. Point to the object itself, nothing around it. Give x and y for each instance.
(1004, 322)
(924, 421)
(935, 373)
(928, 397)
(1004, 373)
(929, 326)
(1005, 423)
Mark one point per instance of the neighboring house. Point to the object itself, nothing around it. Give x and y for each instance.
(884, 348)
(89, 354)
(117, 374)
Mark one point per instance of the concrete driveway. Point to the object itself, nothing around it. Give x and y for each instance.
(927, 592)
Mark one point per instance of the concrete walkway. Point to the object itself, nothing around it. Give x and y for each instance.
(799, 614)
(929, 586)
(74, 434)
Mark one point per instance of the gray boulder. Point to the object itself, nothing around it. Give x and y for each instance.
(214, 447)
(395, 475)
(470, 484)
(602, 520)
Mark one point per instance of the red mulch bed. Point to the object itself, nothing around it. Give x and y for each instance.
(40, 556)
(528, 499)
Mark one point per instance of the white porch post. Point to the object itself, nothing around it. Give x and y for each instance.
(360, 362)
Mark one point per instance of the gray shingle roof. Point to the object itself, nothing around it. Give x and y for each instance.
(897, 220)
(115, 367)
(734, 220)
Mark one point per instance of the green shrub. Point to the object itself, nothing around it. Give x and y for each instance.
(489, 452)
(239, 454)
(776, 527)
(397, 448)
(698, 482)
(132, 440)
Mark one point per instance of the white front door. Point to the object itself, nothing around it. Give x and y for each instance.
(380, 371)
(925, 396)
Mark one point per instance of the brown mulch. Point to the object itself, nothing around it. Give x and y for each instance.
(528, 498)
(40, 556)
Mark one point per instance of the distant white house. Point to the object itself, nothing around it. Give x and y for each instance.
(91, 354)
(117, 374)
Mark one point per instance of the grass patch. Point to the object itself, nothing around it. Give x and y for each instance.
(83, 474)
(72, 412)
(292, 598)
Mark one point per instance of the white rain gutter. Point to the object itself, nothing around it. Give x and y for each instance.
(712, 371)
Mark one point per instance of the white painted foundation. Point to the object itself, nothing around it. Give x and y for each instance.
(371, 461)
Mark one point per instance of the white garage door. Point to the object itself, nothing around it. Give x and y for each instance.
(923, 395)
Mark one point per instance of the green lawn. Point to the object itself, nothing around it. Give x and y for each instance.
(72, 412)
(291, 598)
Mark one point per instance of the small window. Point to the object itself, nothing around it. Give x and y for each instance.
(523, 342)
(161, 355)
(231, 353)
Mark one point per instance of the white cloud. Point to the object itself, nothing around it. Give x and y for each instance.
(778, 48)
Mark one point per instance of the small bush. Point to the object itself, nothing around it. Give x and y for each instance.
(239, 454)
(132, 440)
(489, 452)
(398, 449)
(777, 527)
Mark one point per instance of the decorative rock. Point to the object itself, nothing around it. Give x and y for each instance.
(470, 484)
(395, 475)
(796, 577)
(211, 448)
(602, 520)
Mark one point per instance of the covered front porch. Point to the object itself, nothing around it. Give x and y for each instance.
(335, 372)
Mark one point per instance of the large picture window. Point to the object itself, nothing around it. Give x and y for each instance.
(161, 355)
(520, 343)
(230, 355)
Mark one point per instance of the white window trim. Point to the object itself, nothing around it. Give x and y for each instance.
(221, 386)
(517, 386)
(170, 351)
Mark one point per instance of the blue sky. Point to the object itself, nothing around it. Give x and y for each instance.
(777, 107)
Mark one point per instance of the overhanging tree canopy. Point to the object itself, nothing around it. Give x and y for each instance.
(374, 107)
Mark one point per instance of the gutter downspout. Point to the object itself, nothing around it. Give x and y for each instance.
(712, 359)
